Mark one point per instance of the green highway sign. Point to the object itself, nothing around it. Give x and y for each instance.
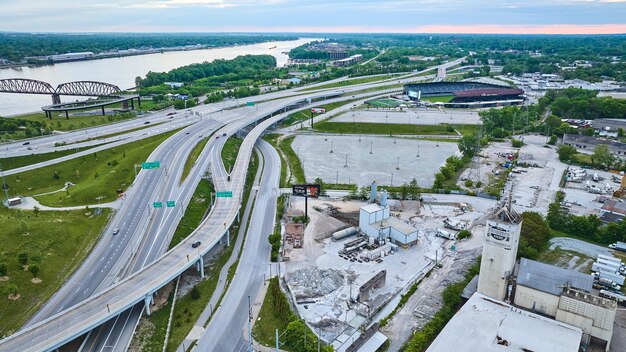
(147, 165)
(228, 194)
(250, 103)
(170, 203)
(157, 204)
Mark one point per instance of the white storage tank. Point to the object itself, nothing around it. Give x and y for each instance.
(339, 235)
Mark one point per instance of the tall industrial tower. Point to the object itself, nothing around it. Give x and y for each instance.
(499, 251)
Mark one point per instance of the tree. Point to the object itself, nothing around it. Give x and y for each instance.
(566, 152)
(414, 189)
(34, 269)
(464, 234)
(36, 210)
(553, 139)
(602, 157)
(22, 258)
(12, 289)
(468, 145)
(56, 175)
(3, 269)
(194, 293)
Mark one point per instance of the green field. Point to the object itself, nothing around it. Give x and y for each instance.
(94, 175)
(57, 240)
(443, 99)
(272, 138)
(385, 103)
(382, 128)
(297, 172)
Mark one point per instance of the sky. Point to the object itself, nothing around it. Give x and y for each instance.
(365, 16)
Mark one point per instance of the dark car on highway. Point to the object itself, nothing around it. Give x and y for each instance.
(195, 244)
(26, 143)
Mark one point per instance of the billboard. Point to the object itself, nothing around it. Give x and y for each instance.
(312, 191)
(318, 110)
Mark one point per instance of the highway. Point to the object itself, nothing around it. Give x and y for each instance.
(224, 331)
(109, 303)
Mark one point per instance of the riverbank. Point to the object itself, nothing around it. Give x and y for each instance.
(128, 52)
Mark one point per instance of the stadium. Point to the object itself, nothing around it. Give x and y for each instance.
(464, 94)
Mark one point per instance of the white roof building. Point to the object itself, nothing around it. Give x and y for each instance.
(488, 325)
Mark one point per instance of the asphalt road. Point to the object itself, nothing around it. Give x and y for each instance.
(224, 332)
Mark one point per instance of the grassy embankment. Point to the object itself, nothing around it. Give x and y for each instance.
(56, 241)
(60, 123)
(19, 161)
(193, 156)
(272, 139)
(95, 175)
(303, 115)
(391, 128)
(275, 314)
(353, 81)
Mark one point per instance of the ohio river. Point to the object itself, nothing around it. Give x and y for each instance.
(123, 70)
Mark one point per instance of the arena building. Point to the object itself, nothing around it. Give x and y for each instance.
(464, 94)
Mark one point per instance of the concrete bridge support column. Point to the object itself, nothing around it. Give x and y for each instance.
(148, 301)
(201, 266)
(227, 238)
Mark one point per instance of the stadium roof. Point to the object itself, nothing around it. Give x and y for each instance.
(551, 279)
(487, 92)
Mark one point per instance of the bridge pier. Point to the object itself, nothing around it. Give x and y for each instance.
(56, 99)
(227, 238)
(147, 302)
(201, 266)
(102, 110)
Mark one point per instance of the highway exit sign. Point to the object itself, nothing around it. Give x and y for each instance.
(228, 194)
(250, 103)
(147, 165)
(170, 204)
(157, 204)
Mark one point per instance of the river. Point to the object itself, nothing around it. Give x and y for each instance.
(123, 70)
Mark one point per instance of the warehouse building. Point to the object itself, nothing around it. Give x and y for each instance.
(488, 325)
(539, 286)
(587, 145)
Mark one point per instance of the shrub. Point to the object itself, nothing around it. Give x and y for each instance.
(464, 234)
(516, 143)
(194, 293)
(469, 183)
(22, 258)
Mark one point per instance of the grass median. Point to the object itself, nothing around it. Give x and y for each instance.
(193, 156)
(230, 152)
(353, 81)
(96, 177)
(57, 241)
(60, 123)
(19, 161)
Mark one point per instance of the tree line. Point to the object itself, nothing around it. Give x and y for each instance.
(17, 46)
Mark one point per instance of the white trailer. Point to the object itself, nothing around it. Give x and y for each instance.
(617, 278)
(597, 267)
(609, 264)
(610, 259)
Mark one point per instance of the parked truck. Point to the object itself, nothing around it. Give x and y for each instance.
(445, 234)
(610, 259)
(620, 298)
(603, 282)
(615, 277)
(618, 246)
(603, 266)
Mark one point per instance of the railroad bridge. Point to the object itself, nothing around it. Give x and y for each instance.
(77, 88)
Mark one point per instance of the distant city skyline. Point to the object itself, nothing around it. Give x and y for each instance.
(321, 16)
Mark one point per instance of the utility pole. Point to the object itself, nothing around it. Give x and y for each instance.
(346, 164)
(276, 340)
(249, 326)
(4, 185)
(371, 145)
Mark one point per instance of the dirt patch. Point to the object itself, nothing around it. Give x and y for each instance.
(145, 330)
(4, 278)
(14, 297)
(35, 280)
